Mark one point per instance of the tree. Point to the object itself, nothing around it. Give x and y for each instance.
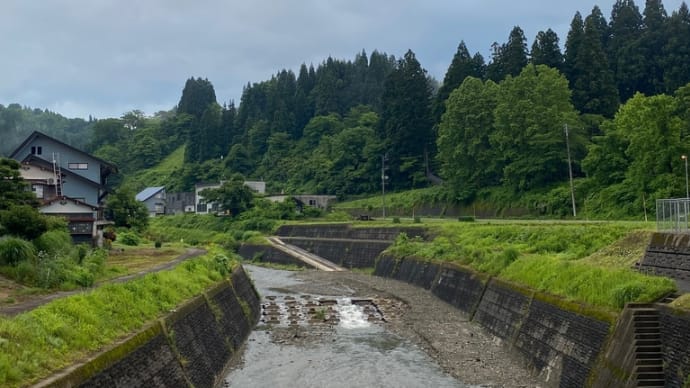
(197, 95)
(576, 35)
(510, 58)
(23, 221)
(406, 122)
(233, 195)
(638, 157)
(13, 189)
(625, 58)
(676, 50)
(107, 132)
(531, 110)
(123, 208)
(462, 66)
(545, 50)
(468, 162)
(594, 90)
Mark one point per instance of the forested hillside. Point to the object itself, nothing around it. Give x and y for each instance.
(17, 122)
(494, 130)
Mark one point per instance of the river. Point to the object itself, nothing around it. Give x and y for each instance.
(335, 338)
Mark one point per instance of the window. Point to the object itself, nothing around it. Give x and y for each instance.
(78, 166)
(312, 202)
(38, 190)
(36, 150)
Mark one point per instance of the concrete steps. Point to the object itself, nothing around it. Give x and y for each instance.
(649, 365)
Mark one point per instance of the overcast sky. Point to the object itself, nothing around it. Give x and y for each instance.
(107, 57)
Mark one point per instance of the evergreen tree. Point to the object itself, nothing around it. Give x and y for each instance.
(594, 91)
(545, 50)
(572, 46)
(197, 95)
(652, 42)
(676, 50)
(510, 58)
(625, 58)
(406, 122)
(462, 66)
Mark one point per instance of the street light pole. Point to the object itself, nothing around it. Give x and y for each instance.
(685, 159)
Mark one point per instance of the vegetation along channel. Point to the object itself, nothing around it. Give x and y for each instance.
(522, 222)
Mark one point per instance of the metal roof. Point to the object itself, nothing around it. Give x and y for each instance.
(148, 193)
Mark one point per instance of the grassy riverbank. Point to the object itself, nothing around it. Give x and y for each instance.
(586, 262)
(53, 336)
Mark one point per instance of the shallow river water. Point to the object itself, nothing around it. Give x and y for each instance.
(353, 349)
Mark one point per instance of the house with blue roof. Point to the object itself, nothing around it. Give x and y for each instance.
(154, 198)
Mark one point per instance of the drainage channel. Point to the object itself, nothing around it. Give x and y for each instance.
(307, 340)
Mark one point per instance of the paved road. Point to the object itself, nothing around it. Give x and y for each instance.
(31, 304)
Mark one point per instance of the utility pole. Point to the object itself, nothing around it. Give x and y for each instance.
(570, 171)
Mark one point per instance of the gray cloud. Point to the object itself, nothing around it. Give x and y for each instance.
(106, 57)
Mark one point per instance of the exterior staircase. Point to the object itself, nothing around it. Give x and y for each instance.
(649, 364)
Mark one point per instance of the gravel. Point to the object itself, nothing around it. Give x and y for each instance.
(462, 349)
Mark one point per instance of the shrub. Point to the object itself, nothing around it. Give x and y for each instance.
(130, 238)
(54, 242)
(14, 250)
(24, 221)
(396, 220)
(417, 220)
(158, 244)
(466, 219)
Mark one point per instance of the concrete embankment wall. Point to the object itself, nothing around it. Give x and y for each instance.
(560, 341)
(192, 346)
(668, 254)
(267, 254)
(344, 245)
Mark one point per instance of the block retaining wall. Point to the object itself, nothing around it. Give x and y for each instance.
(190, 347)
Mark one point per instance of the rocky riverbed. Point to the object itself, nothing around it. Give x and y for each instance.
(461, 348)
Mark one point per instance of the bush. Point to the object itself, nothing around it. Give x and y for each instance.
(417, 220)
(466, 219)
(158, 244)
(14, 250)
(24, 221)
(54, 242)
(130, 238)
(396, 220)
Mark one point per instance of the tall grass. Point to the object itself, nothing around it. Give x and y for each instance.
(548, 256)
(36, 343)
(606, 287)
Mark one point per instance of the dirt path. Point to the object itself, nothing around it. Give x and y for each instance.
(461, 348)
(33, 301)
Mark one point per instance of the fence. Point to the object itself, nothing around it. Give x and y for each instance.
(672, 215)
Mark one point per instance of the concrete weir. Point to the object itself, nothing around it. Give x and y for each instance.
(567, 344)
(191, 346)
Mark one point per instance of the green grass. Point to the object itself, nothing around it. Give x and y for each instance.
(159, 174)
(581, 261)
(403, 200)
(53, 336)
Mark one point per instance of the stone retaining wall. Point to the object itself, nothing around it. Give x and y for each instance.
(190, 347)
(668, 254)
(560, 341)
(675, 346)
